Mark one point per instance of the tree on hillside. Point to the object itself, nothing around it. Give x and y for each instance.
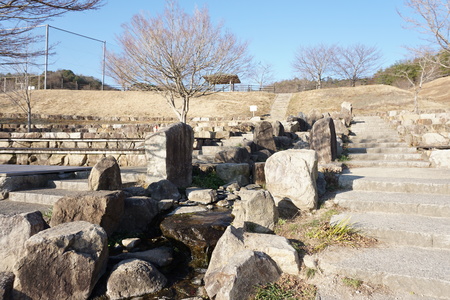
(356, 61)
(431, 18)
(262, 73)
(20, 93)
(18, 17)
(314, 62)
(175, 52)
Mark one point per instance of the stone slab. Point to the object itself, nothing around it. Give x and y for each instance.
(20, 170)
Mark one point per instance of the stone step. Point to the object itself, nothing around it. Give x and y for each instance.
(375, 140)
(212, 150)
(396, 185)
(236, 141)
(413, 271)
(400, 229)
(373, 131)
(385, 156)
(70, 184)
(382, 150)
(421, 204)
(203, 158)
(387, 164)
(40, 196)
(352, 144)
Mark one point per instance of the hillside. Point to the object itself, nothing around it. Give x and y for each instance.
(150, 104)
(365, 99)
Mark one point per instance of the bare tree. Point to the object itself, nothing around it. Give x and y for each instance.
(424, 67)
(175, 52)
(262, 73)
(18, 17)
(356, 61)
(20, 91)
(314, 62)
(432, 19)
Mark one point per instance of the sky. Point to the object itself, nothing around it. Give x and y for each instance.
(274, 30)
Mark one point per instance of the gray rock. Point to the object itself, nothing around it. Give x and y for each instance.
(138, 214)
(133, 278)
(234, 172)
(303, 140)
(104, 208)
(321, 184)
(235, 155)
(163, 189)
(256, 212)
(259, 176)
(15, 230)
(63, 262)
(105, 175)
(160, 257)
(291, 177)
(347, 112)
(202, 196)
(313, 116)
(263, 136)
(169, 154)
(6, 285)
(324, 140)
(278, 128)
(244, 269)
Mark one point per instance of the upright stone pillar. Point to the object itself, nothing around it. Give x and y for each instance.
(169, 154)
(347, 112)
(263, 136)
(324, 140)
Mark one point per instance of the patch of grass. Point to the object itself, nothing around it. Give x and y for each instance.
(288, 287)
(326, 234)
(310, 273)
(48, 214)
(343, 158)
(207, 181)
(351, 282)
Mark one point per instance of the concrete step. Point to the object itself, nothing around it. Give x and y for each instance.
(387, 164)
(420, 204)
(418, 271)
(70, 184)
(396, 185)
(353, 144)
(236, 141)
(375, 140)
(382, 150)
(400, 229)
(40, 196)
(212, 150)
(385, 156)
(204, 158)
(378, 132)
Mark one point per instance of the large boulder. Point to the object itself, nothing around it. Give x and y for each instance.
(291, 177)
(234, 172)
(313, 116)
(263, 136)
(244, 269)
(163, 189)
(235, 240)
(15, 230)
(63, 262)
(139, 212)
(160, 257)
(256, 212)
(233, 155)
(134, 278)
(324, 140)
(105, 175)
(104, 208)
(440, 159)
(169, 154)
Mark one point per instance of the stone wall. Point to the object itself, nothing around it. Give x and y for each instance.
(426, 130)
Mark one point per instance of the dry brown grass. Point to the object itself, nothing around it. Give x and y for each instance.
(365, 99)
(150, 104)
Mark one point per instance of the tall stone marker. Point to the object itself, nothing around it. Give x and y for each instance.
(324, 140)
(169, 154)
(263, 136)
(347, 112)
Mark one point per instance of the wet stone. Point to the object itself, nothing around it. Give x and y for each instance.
(198, 231)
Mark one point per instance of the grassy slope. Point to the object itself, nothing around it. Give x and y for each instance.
(365, 99)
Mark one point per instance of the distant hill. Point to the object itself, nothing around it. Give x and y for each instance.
(365, 99)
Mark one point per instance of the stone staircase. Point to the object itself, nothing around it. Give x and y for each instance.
(374, 144)
(403, 204)
(280, 106)
(58, 188)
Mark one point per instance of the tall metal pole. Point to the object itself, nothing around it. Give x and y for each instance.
(104, 65)
(46, 55)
